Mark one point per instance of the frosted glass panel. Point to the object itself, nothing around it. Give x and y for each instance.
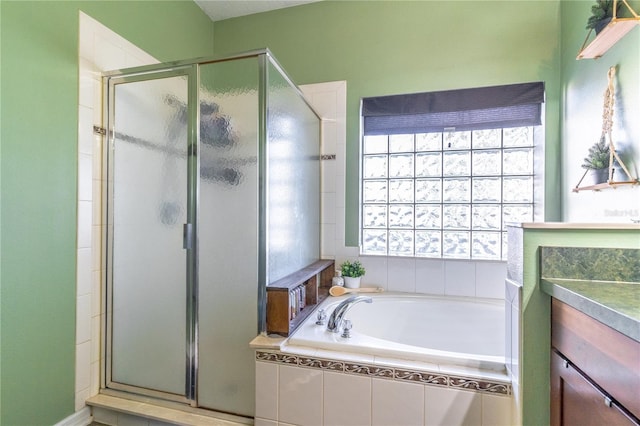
(149, 209)
(228, 234)
(293, 147)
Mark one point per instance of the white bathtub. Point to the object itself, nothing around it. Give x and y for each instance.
(433, 329)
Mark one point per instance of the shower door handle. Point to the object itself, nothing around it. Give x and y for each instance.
(187, 236)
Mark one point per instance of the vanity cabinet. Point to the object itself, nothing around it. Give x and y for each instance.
(291, 299)
(595, 371)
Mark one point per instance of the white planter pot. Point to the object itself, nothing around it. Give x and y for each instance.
(350, 282)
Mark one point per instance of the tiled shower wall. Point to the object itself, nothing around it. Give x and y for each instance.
(433, 276)
(100, 49)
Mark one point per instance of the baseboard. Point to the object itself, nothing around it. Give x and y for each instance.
(79, 418)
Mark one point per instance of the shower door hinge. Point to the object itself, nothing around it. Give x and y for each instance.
(97, 130)
(187, 236)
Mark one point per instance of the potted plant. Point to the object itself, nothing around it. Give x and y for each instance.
(598, 160)
(601, 14)
(352, 272)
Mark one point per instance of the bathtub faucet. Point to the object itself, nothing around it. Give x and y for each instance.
(336, 318)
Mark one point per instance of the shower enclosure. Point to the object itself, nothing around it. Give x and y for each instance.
(213, 191)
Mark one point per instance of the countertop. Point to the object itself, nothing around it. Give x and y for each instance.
(616, 304)
(578, 226)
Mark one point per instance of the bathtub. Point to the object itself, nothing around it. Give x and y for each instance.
(440, 330)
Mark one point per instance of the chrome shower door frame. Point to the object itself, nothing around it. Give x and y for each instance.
(196, 285)
(110, 81)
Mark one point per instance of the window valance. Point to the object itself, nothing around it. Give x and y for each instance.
(513, 105)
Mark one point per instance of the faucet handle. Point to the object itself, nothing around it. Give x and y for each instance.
(346, 328)
(322, 316)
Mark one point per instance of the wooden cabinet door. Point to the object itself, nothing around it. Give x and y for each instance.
(576, 401)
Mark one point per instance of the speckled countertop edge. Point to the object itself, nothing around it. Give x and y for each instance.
(627, 323)
(569, 225)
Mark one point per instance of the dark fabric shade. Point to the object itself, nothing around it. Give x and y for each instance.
(480, 108)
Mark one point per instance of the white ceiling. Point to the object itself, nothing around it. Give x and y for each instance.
(223, 9)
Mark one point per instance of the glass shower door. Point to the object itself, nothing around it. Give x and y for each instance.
(147, 209)
(228, 234)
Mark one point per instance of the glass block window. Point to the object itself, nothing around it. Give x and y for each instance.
(446, 194)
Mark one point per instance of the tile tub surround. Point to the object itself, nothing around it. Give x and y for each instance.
(314, 388)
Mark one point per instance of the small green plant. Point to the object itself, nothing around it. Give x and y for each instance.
(352, 269)
(601, 10)
(598, 157)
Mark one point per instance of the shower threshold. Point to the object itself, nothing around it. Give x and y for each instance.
(108, 405)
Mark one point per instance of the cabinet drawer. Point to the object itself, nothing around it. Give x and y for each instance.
(577, 401)
(609, 358)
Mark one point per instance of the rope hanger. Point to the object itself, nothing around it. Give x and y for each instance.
(607, 125)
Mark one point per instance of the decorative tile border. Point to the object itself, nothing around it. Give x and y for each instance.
(390, 373)
(369, 370)
(422, 377)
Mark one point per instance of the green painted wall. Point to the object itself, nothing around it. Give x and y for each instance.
(391, 47)
(39, 110)
(583, 85)
(536, 310)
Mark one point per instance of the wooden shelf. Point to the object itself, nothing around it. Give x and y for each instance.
(606, 185)
(610, 35)
(284, 310)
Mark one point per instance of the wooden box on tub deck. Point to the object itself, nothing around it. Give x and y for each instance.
(285, 308)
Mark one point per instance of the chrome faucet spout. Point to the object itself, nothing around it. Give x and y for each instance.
(335, 320)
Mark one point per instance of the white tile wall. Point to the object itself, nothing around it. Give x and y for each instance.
(395, 403)
(459, 278)
(401, 274)
(346, 400)
(300, 393)
(100, 50)
(430, 276)
(489, 279)
(497, 411)
(266, 390)
(377, 271)
(305, 396)
(452, 407)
